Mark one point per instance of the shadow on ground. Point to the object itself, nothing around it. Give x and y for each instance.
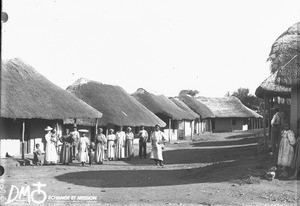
(214, 165)
(246, 140)
(148, 178)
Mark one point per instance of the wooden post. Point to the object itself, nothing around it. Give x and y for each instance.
(270, 116)
(170, 121)
(192, 130)
(96, 127)
(199, 131)
(23, 143)
(295, 110)
(264, 118)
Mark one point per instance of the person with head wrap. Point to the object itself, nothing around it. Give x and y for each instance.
(129, 136)
(111, 137)
(100, 143)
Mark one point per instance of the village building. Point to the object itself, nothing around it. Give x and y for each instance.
(30, 103)
(186, 129)
(204, 122)
(166, 110)
(118, 107)
(230, 114)
(283, 85)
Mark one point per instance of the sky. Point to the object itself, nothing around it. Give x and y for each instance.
(163, 46)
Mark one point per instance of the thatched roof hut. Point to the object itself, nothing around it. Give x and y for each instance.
(118, 107)
(26, 94)
(184, 107)
(223, 107)
(270, 88)
(160, 104)
(195, 105)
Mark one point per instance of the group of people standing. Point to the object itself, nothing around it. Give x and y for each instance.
(284, 145)
(118, 146)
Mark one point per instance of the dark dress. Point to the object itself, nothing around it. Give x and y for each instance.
(66, 150)
(296, 158)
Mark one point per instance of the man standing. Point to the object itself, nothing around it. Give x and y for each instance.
(75, 136)
(275, 132)
(143, 137)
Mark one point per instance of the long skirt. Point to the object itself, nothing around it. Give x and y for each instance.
(120, 151)
(100, 152)
(129, 148)
(285, 154)
(66, 153)
(110, 149)
(156, 153)
(296, 159)
(83, 156)
(51, 155)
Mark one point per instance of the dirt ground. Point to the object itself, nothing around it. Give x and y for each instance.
(213, 169)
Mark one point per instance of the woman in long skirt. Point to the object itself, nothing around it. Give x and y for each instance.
(83, 146)
(51, 153)
(120, 144)
(157, 141)
(286, 150)
(111, 137)
(66, 149)
(100, 142)
(129, 143)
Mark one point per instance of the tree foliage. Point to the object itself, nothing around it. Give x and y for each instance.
(190, 92)
(247, 99)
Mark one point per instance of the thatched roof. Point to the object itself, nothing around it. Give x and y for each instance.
(271, 89)
(184, 107)
(285, 47)
(223, 107)
(195, 105)
(289, 74)
(160, 104)
(285, 57)
(118, 107)
(27, 94)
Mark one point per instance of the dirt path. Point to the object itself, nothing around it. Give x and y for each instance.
(215, 169)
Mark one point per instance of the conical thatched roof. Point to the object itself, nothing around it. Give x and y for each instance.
(285, 57)
(271, 89)
(184, 107)
(160, 104)
(196, 106)
(27, 94)
(118, 107)
(285, 47)
(223, 107)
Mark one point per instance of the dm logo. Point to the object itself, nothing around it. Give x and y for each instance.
(37, 196)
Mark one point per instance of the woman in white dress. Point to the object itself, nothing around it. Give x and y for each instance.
(51, 153)
(83, 146)
(111, 137)
(120, 144)
(286, 150)
(157, 141)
